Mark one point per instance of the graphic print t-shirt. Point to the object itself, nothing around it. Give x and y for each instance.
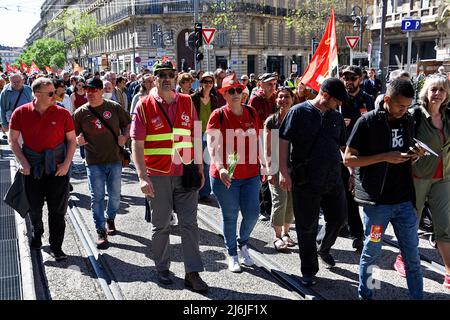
(397, 186)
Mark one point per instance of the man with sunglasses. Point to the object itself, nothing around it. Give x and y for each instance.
(357, 103)
(103, 154)
(162, 142)
(45, 158)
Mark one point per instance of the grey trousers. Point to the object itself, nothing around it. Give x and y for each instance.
(170, 195)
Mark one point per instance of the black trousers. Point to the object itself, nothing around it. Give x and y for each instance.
(307, 204)
(353, 217)
(55, 191)
(265, 199)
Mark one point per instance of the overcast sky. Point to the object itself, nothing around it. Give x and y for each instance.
(18, 17)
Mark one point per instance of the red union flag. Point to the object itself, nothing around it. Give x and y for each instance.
(34, 67)
(8, 67)
(24, 67)
(324, 59)
(48, 69)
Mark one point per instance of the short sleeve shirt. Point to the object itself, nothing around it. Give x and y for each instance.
(102, 146)
(41, 132)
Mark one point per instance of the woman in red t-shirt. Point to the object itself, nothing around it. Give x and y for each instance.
(233, 132)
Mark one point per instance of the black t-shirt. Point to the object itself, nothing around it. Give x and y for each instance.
(317, 137)
(396, 188)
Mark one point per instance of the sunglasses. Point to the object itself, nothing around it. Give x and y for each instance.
(233, 90)
(91, 90)
(49, 94)
(352, 78)
(169, 75)
(208, 82)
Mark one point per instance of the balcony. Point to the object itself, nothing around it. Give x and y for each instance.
(116, 16)
(179, 7)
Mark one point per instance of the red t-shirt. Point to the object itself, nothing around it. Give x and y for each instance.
(41, 132)
(245, 129)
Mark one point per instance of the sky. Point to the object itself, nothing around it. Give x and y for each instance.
(18, 17)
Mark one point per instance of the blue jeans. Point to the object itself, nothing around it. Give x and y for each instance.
(205, 191)
(242, 195)
(99, 175)
(403, 218)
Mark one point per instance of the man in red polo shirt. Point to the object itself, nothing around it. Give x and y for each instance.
(45, 159)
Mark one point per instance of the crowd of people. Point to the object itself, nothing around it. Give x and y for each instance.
(269, 149)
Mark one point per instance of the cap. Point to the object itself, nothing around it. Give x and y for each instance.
(244, 77)
(94, 83)
(353, 69)
(207, 75)
(162, 65)
(268, 77)
(230, 82)
(335, 88)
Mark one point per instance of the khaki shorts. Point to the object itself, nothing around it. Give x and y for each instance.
(437, 193)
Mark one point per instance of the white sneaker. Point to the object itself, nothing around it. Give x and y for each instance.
(245, 257)
(233, 264)
(173, 219)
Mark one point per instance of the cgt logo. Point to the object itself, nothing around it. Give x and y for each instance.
(186, 119)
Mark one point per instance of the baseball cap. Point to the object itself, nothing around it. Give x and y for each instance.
(268, 77)
(230, 82)
(207, 75)
(335, 88)
(162, 65)
(353, 69)
(94, 83)
(244, 77)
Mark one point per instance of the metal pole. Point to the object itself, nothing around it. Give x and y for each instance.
(351, 57)
(361, 20)
(196, 5)
(381, 60)
(408, 56)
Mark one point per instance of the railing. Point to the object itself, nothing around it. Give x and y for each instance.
(116, 16)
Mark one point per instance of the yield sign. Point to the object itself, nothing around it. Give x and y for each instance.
(352, 41)
(208, 34)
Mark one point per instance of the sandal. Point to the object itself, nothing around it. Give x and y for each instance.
(288, 241)
(280, 245)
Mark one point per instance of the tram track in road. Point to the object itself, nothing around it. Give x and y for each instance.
(102, 271)
(424, 260)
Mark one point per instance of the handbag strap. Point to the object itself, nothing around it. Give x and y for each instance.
(163, 112)
(18, 97)
(106, 124)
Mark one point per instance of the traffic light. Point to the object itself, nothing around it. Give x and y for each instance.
(199, 56)
(198, 37)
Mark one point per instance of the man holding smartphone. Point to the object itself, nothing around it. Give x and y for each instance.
(378, 146)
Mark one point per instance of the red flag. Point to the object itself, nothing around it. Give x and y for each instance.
(24, 67)
(8, 67)
(324, 59)
(15, 69)
(34, 67)
(48, 69)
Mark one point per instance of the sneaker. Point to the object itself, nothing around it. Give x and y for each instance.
(111, 226)
(70, 187)
(446, 283)
(59, 255)
(192, 280)
(164, 277)
(308, 280)
(36, 243)
(358, 244)
(399, 266)
(327, 259)
(233, 264)
(344, 232)
(245, 257)
(173, 219)
(263, 217)
(102, 241)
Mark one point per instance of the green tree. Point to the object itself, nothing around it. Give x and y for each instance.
(78, 28)
(224, 16)
(311, 18)
(44, 52)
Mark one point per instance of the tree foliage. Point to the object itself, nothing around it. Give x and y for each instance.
(312, 17)
(44, 52)
(79, 28)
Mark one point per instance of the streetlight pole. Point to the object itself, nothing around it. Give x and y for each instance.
(382, 31)
(359, 20)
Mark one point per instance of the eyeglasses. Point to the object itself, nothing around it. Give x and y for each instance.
(91, 90)
(233, 90)
(352, 78)
(49, 94)
(169, 75)
(207, 82)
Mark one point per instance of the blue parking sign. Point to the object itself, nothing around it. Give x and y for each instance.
(411, 25)
(150, 63)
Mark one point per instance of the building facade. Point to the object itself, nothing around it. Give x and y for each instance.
(147, 30)
(430, 44)
(9, 55)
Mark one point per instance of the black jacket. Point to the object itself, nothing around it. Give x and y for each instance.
(196, 100)
(16, 196)
(370, 180)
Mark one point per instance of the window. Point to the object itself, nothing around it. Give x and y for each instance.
(269, 33)
(281, 34)
(292, 36)
(252, 35)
